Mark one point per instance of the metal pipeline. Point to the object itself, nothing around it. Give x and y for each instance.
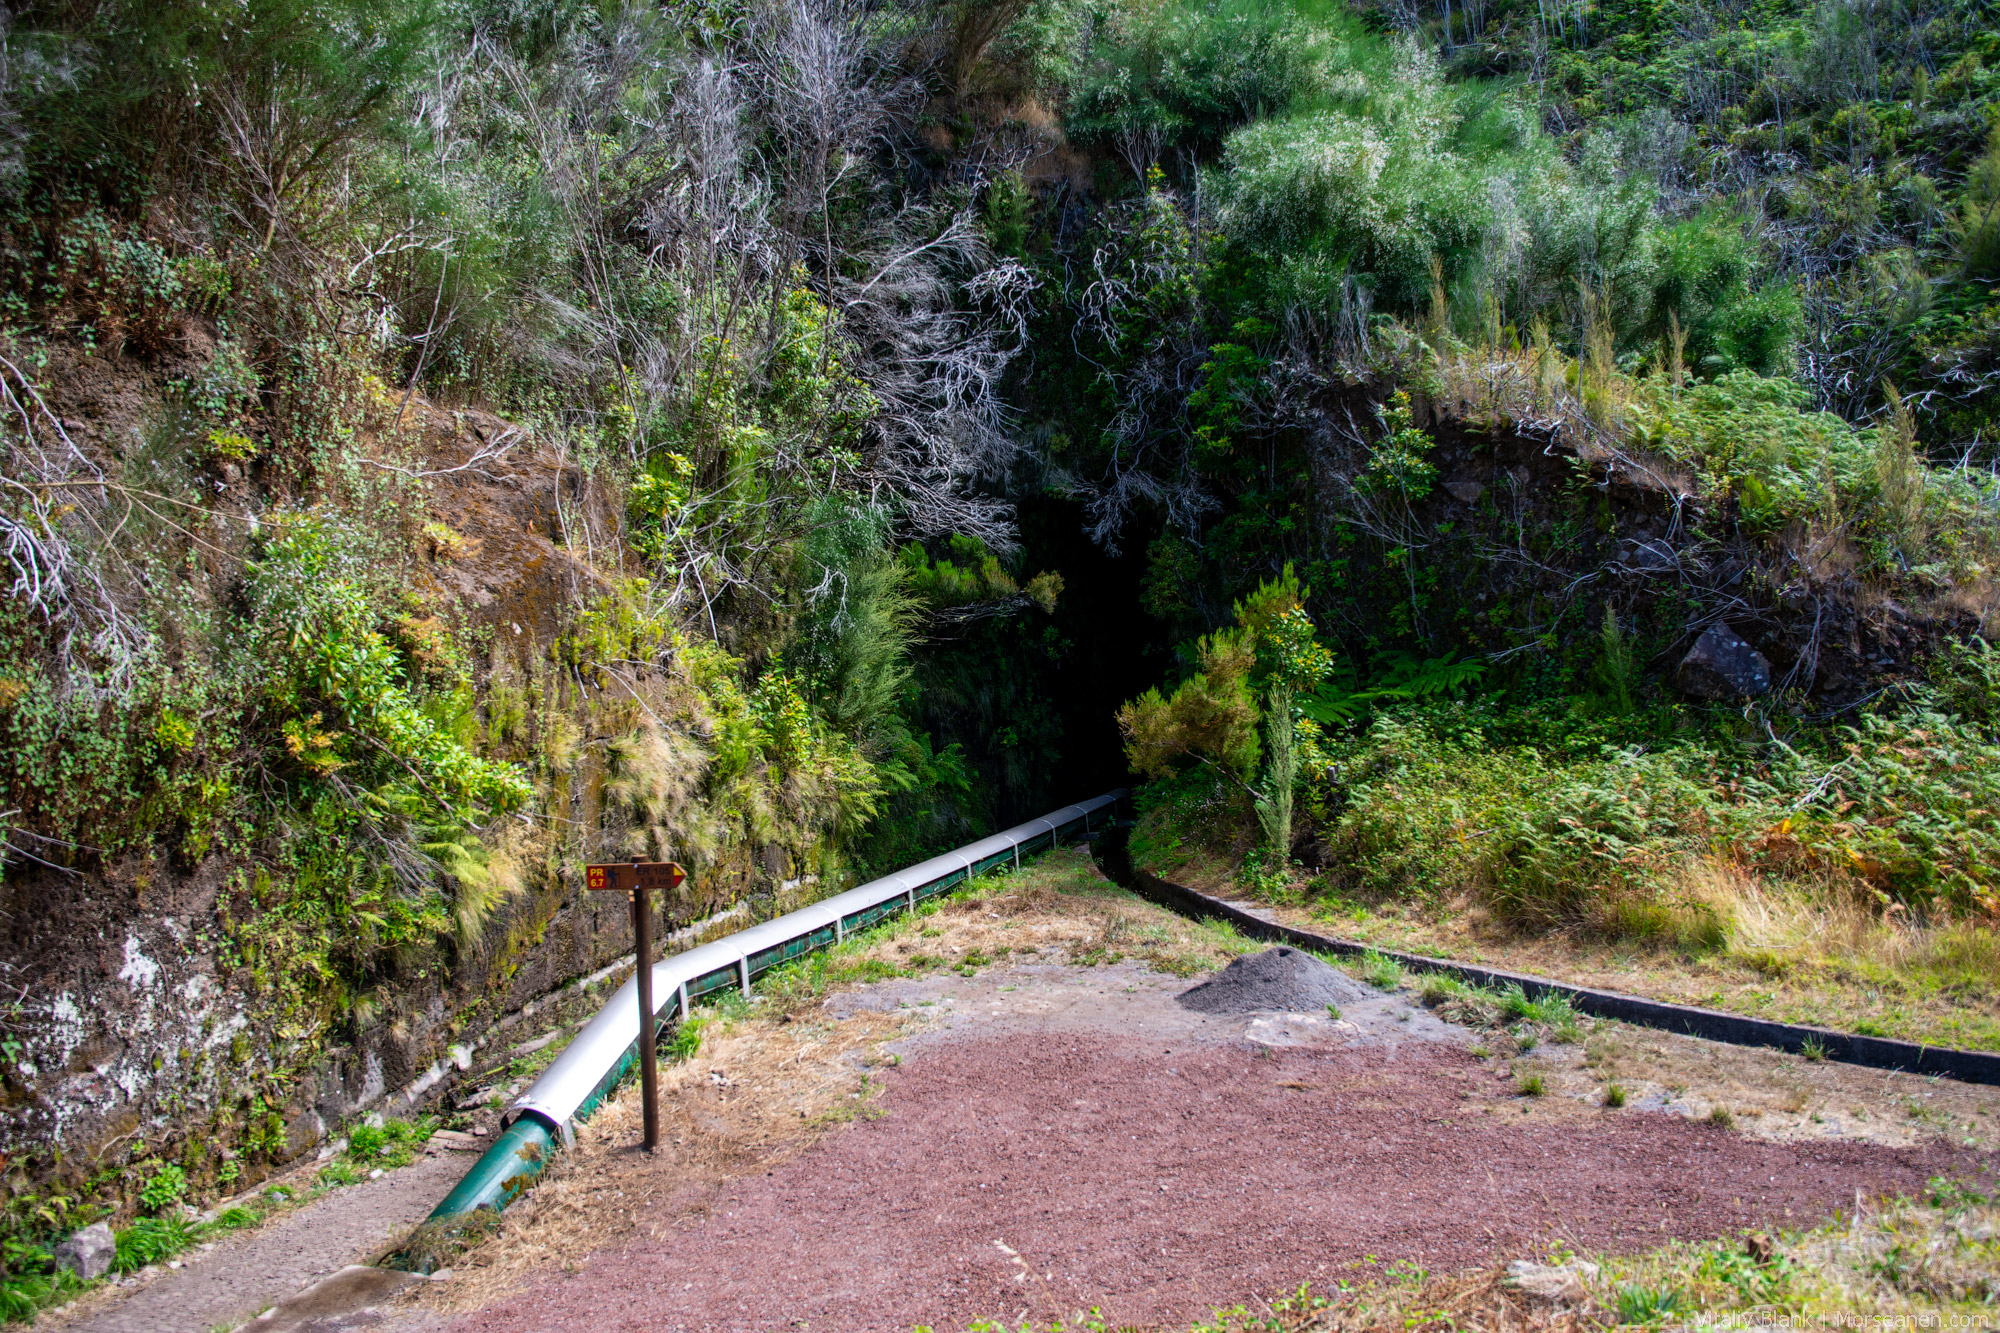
(597, 1059)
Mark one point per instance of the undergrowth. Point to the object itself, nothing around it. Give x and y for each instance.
(32, 1282)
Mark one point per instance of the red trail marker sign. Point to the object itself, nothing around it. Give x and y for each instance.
(639, 880)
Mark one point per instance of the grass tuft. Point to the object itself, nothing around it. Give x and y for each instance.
(1647, 1305)
(1381, 971)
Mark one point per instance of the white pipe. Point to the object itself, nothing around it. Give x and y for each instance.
(596, 1051)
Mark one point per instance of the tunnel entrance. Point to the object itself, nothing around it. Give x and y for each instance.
(1030, 698)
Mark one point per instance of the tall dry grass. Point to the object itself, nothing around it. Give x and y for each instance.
(1837, 920)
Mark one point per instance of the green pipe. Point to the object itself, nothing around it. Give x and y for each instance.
(507, 1168)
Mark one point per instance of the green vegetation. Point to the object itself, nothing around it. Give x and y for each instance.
(32, 1283)
(1665, 831)
(253, 637)
(1422, 237)
(447, 444)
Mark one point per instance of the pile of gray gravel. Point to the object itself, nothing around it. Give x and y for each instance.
(1284, 979)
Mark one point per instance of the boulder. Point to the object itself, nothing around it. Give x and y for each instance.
(89, 1252)
(1652, 556)
(1722, 666)
(1467, 492)
(1559, 1284)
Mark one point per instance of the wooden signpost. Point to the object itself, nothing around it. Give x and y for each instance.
(637, 880)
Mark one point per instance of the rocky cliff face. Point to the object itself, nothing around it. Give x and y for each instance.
(174, 1000)
(1529, 531)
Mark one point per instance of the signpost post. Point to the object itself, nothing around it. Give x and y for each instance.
(637, 880)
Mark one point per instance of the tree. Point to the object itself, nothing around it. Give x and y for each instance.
(1291, 661)
(1211, 717)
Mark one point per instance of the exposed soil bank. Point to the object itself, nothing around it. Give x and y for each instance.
(1157, 1178)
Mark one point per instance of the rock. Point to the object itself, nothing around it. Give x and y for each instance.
(334, 1302)
(1652, 555)
(89, 1252)
(1558, 1285)
(1722, 666)
(1468, 491)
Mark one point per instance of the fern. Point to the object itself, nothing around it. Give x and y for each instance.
(1400, 678)
(1617, 671)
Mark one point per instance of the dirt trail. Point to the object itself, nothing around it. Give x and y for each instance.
(1060, 1138)
(240, 1275)
(1029, 1132)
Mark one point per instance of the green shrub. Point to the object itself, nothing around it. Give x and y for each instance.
(31, 1284)
(1210, 717)
(342, 670)
(1597, 832)
(1912, 806)
(1190, 72)
(164, 1189)
(686, 1041)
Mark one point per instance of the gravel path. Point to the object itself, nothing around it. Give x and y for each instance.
(251, 1270)
(1022, 1168)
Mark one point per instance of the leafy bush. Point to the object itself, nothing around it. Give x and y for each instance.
(31, 1284)
(1900, 802)
(1909, 806)
(164, 1190)
(1210, 717)
(1190, 72)
(1748, 434)
(971, 581)
(1593, 830)
(1382, 186)
(342, 666)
